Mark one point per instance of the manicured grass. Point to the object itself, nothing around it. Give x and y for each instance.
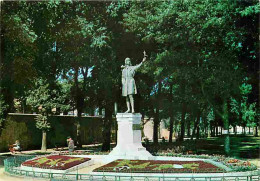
(241, 146)
(246, 147)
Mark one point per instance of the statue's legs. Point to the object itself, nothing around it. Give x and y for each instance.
(132, 102)
(127, 104)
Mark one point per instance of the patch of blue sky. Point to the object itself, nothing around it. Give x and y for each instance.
(156, 86)
(71, 72)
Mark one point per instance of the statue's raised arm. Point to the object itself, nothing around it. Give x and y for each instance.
(140, 64)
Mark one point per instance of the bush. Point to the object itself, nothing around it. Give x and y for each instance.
(23, 128)
(15, 131)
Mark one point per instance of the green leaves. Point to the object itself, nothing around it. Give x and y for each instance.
(254, 9)
(245, 111)
(201, 48)
(42, 122)
(42, 98)
(3, 108)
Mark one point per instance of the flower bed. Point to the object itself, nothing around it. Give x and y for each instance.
(56, 162)
(159, 166)
(235, 164)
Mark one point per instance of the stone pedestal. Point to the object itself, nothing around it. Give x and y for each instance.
(129, 145)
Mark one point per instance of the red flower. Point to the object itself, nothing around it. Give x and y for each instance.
(55, 162)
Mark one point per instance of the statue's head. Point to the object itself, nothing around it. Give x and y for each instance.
(128, 61)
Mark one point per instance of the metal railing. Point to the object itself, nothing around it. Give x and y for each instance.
(12, 166)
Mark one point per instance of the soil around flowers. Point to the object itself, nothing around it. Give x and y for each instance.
(159, 166)
(58, 162)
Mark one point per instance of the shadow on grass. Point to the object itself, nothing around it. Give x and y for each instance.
(241, 146)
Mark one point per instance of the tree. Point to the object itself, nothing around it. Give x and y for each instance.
(18, 49)
(199, 54)
(206, 35)
(43, 124)
(3, 108)
(245, 112)
(41, 100)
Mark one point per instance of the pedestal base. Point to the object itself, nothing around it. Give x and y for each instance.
(129, 145)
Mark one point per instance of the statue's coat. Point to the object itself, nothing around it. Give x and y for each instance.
(128, 82)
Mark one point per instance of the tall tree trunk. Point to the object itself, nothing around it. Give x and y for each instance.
(234, 129)
(205, 127)
(256, 131)
(213, 131)
(188, 128)
(171, 114)
(100, 111)
(171, 129)
(44, 141)
(156, 126)
(183, 114)
(241, 121)
(216, 132)
(156, 115)
(79, 106)
(195, 124)
(198, 132)
(78, 133)
(226, 128)
(6, 74)
(209, 133)
(78, 125)
(107, 124)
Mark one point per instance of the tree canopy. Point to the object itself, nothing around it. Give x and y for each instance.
(203, 60)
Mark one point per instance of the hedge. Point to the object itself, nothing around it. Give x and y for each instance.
(22, 127)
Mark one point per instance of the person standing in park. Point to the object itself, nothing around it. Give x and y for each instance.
(128, 82)
(70, 144)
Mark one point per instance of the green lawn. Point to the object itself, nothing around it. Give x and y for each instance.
(241, 146)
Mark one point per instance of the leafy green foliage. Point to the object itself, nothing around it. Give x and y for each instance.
(41, 97)
(42, 122)
(243, 109)
(3, 108)
(199, 55)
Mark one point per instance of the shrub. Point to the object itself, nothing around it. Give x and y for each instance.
(14, 131)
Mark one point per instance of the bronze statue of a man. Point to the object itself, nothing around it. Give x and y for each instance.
(128, 82)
